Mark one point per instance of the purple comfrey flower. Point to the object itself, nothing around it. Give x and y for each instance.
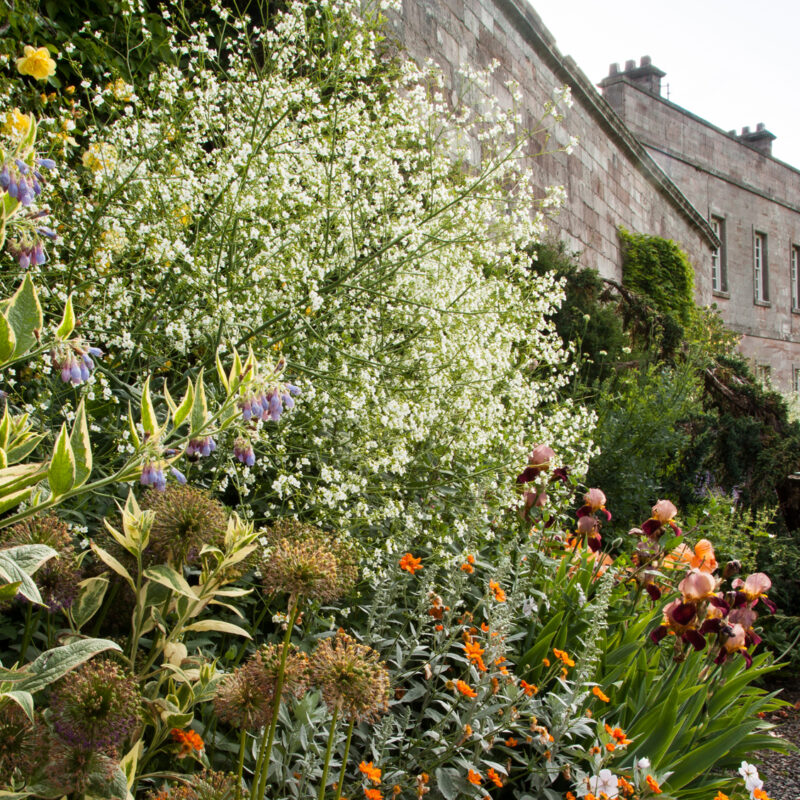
(178, 475)
(243, 450)
(21, 182)
(153, 475)
(74, 361)
(46, 163)
(203, 446)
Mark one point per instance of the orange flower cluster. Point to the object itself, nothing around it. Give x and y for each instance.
(625, 786)
(422, 784)
(190, 741)
(474, 652)
(372, 772)
(437, 609)
(618, 734)
(373, 794)
(474, 777)
(562, 656)
(410, 564)
(598, 693)
(466, 689)
(653, 784)
(530, 689)
(467, 566)
(494, 777)
(497, 591)
(511, 742)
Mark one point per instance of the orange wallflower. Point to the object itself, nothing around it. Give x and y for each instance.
(625, 786)
(470, 559)
(546, 662)
(570, 796)
(618, 734)
(611, 747)
(474, 777)
(512, 742)
(495, 686)
(396, 789)
(530, 689)
(721, 796)
(410, 564)
(494, 777)
(598, 693)
(468, 568)
(562, 656)
(373, 794)
(466, 689)
(468, 730)
(474, 653)
(372, 772)
(497, 591)
(759, 794)
(484, 627)
(188, 740)
(653, 784)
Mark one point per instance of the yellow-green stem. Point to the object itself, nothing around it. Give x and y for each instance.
(240, 770)
(262, 764)
(344, 760)
(331, 737)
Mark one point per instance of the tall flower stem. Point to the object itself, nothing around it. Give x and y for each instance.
(262, 764)
(331, 737)
(344, 760)
(240, 769)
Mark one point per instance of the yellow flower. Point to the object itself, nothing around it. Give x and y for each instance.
(121, 90)
(16, 124)
(36, 63)
(100, 157)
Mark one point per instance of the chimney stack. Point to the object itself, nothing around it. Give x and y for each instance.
(760, 139)
(645, 77)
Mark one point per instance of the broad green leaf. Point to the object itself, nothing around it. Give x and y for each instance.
(166, 576)
(8, 591)
(176, 719)
(236, 372)
(168, 397)
(182, 412)
(64, 330)
(29, 557)
(130, 762)
(112, 562)
(61, 472)
(9, 501)
(13, 573)
(19, 476)
(8, 340)
(24, 700)
(54, 664)
(89, 600)
(81, 446)
(3, 458)
(149, 419)
(22, 446)
(199, 406)
(24, 313)
(137, 442)
(5, 428)
(99, 785)
(219, 626)
(447, 783)
(223, 378)
(4, 795)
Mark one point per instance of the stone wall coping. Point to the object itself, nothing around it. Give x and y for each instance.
(530, 26)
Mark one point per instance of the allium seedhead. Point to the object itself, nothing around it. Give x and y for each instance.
(351, 678)
(245, 697)
(22, 744)
(78, 770)
(206, 785)
(303, 561)
(57, 578)
(95, 707)
(185, 520)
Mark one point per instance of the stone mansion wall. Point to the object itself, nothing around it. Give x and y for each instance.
(751, 198)
(644, 163)
(610, 178)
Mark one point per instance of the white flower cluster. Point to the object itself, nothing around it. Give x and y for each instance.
(323, 200)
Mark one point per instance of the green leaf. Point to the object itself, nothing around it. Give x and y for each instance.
(166, 576)
(24, 312)
(29, 557)
(185, 407)
(8, 340)
(22, 446)
(64, 330)
(149, 419)
(5, 428)
(112, 562)
(24, 700)
(99, 785)
(89, 600)
(219, 626)
(61, 473)
(223, 378)
(81, 446)
(8, 591)
(13, 573)
(447, 782)
(199, 407)
(54, 664)
(137, 442)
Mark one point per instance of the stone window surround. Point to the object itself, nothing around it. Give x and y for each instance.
(794, 276)
(715, 213)
(761, 261)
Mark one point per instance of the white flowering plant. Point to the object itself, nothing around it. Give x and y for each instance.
(296, 188)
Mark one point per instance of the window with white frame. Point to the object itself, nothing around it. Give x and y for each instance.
(719, 273)
(760, 267)
(796, 380)
(764, 374)
(795, 274)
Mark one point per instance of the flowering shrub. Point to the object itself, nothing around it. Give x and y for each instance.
(340, 214)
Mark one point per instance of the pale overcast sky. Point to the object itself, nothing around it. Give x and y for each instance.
(731, 62)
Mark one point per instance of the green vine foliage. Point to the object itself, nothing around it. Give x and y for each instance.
(659, 270)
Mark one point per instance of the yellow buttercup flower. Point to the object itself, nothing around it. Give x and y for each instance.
(36, 63)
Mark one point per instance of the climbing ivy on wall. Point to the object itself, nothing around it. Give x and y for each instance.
(659, 270)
